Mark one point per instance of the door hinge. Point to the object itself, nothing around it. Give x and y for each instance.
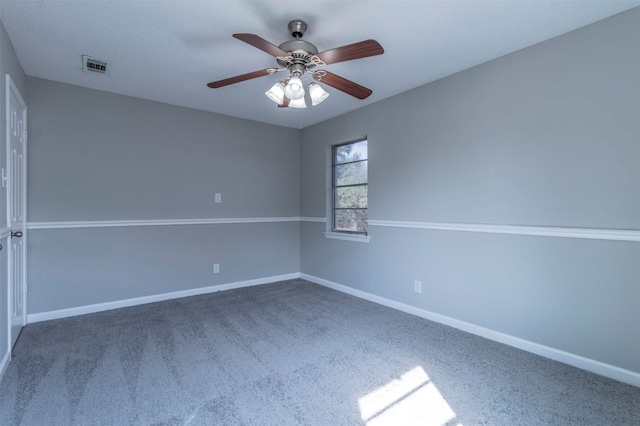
(4, 177)
(24, 136)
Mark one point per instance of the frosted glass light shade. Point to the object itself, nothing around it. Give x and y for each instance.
(294, 89)
(298, 103)
(276, 93)
(317, 93)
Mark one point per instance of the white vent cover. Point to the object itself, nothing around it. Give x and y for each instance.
(94, 65)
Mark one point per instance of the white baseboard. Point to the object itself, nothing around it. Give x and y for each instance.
(601, 368)
(99, 307)
(607, 370)
(5, 363)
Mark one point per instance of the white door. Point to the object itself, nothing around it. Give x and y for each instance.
(16, 207)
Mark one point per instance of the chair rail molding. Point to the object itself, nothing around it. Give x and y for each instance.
(155, 222)
(539, 231)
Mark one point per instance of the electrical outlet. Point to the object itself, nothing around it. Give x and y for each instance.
(216, 268)
(417, 286)
(218, 197)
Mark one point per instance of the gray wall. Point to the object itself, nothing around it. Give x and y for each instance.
(547, 136)
(9, 64)
(96, 156)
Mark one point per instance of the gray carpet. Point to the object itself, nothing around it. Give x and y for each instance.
(290, 353)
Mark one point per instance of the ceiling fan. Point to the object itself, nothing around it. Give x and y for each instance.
(300, 57)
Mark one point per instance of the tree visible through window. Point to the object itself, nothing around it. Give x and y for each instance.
(350, 187)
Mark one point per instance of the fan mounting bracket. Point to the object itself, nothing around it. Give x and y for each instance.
(297, 27)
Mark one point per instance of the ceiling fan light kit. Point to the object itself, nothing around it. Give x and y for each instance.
(297, 103)
(317, 94)
(294, 89)
(299, 57)
(276, 93)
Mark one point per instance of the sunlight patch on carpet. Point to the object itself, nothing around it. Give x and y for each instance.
(410, 400)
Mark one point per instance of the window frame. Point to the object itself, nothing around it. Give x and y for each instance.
(337, 233)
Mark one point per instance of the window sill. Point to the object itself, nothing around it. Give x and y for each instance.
(347, 237)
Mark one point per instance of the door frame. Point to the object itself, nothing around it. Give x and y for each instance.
(11, 89)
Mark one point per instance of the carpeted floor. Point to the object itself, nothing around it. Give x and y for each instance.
(290, 353)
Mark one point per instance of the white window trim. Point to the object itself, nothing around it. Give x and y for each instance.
(359, 238)
(330, 233)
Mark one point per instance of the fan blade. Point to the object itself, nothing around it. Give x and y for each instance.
(262, 44)
(347, 86)
(350, 52)
(285, 102)
(239, 78)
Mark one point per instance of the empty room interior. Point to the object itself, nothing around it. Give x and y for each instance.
(431, 218)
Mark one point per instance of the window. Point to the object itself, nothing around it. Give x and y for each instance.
(350, 187)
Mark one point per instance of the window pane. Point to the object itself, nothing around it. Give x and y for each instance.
(351, 152)
(350, 187)
(350, 174)
(351, 197)
(350, 220)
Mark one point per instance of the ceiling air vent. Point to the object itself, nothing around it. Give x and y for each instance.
(94, 65)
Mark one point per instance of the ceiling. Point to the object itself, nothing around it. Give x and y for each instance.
(168, 51)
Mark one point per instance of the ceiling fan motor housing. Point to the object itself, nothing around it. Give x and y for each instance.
(300, 50)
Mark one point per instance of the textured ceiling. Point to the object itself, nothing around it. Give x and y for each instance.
(168, 51)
